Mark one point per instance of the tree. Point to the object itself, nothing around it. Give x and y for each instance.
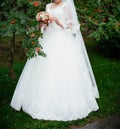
(18, 18)
(102, 17)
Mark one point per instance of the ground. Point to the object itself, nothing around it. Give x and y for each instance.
(107, 74)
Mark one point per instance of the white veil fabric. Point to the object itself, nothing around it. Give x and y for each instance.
(81, 45)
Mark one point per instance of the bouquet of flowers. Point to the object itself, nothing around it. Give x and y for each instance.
(44, 18)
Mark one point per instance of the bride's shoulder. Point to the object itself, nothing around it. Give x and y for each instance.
(64, 4)
(48, 5)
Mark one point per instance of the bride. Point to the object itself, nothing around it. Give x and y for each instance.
(61, 86)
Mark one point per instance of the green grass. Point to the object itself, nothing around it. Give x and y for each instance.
(107, 74)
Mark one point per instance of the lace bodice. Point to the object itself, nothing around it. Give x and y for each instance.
(62, 13)
(57, 12)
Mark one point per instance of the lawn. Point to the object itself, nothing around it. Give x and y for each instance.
(107, 74)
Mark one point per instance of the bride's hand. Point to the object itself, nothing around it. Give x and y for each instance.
(57, 22)
(55, 19)
(43, 26)
(69, 26)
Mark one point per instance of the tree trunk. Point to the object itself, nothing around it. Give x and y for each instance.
(11, 56)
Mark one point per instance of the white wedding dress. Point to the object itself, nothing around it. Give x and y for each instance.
(56, 87)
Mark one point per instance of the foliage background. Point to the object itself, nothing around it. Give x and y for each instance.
(102, 17)
(100, 27)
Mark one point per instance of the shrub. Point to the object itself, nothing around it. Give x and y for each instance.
(103, 19)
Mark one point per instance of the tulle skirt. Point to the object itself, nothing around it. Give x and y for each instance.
(56, 87)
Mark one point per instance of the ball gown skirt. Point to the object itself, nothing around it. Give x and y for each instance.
(56, 87)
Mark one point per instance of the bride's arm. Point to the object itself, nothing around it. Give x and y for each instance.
(58, 22)
(69, 24)
(69, 19)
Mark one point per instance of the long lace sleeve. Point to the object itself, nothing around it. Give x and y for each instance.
(69, 22)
